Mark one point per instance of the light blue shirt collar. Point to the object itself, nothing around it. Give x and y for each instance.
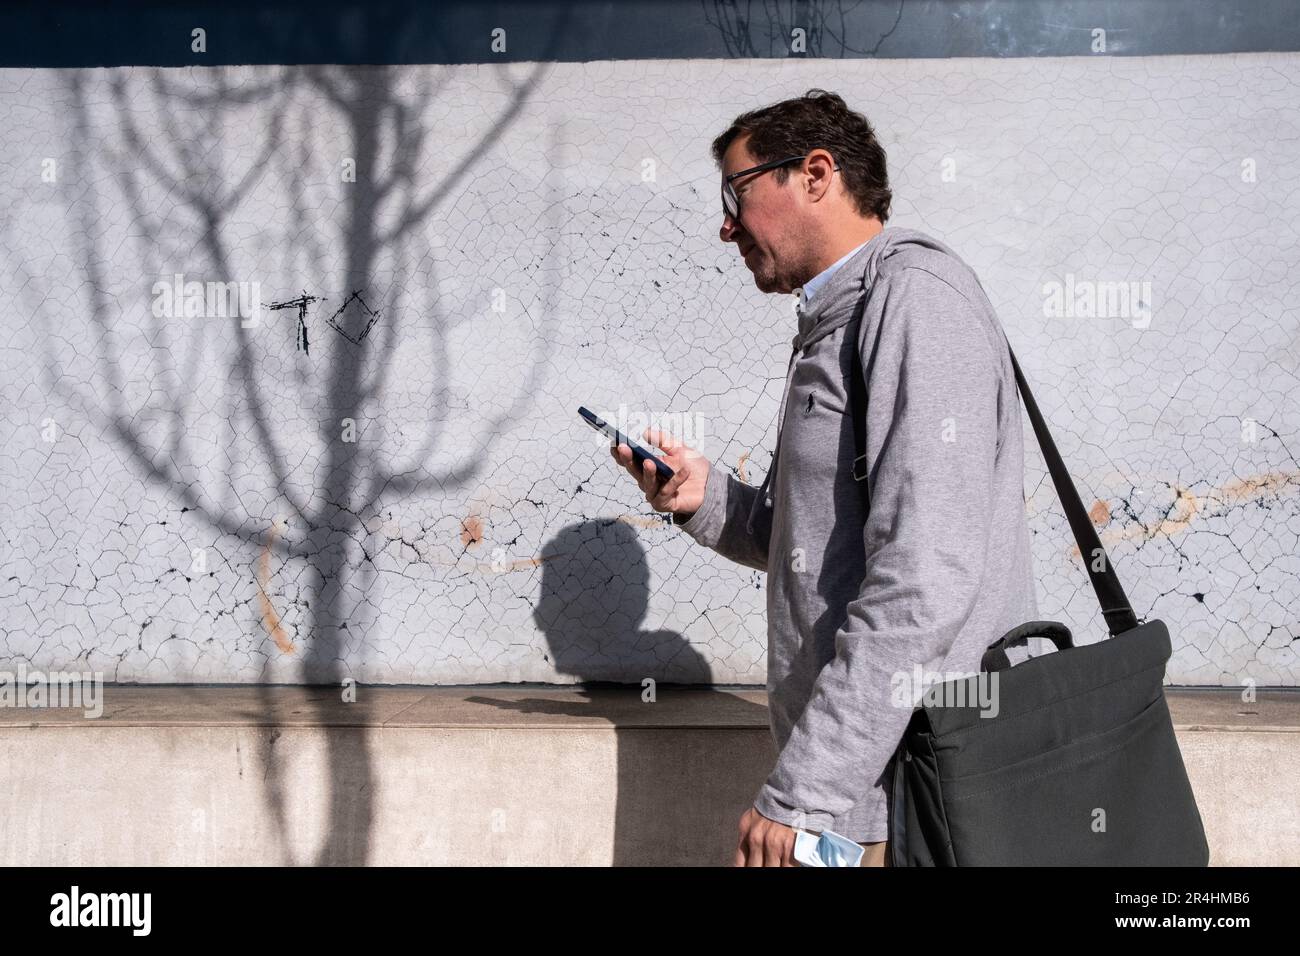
(816, 282)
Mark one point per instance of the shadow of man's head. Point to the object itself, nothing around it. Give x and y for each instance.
(594, 596)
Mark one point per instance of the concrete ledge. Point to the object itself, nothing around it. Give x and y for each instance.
(511, 774)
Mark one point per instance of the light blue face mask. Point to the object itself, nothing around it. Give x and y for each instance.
(826, 849)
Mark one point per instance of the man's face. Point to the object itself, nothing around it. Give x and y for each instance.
(770, 233)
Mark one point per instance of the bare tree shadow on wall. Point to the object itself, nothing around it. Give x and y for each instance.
(387, 213)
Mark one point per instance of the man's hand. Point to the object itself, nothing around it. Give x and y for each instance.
(683, 493)
(764, 842)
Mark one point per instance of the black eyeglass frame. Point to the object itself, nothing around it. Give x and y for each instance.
(730, 198)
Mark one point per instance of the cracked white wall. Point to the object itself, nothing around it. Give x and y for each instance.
(536, 237)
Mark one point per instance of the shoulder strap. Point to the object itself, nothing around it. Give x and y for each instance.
(858, 397)
(1115, 606)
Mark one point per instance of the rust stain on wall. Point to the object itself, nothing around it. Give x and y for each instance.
(1243, 488)
(642, 521)
(1187, 506)
(270, 619)
(522, 564)
(471, 530)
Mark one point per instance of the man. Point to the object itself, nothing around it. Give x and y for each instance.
(936, 565)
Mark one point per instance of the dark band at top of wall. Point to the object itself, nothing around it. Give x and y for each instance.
(46, 33)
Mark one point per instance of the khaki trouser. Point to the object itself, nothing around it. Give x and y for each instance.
(876, 854)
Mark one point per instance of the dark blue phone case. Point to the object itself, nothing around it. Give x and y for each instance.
(616, 437)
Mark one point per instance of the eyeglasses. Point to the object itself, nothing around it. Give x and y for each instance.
(731, 201)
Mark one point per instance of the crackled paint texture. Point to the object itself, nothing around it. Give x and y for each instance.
(180, 502)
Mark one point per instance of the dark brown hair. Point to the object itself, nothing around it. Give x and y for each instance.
(817, 119)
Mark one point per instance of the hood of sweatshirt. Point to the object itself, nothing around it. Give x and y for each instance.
(837, 303)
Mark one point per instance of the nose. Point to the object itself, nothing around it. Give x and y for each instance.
(729, 228)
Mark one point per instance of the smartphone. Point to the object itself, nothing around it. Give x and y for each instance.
(616, 437)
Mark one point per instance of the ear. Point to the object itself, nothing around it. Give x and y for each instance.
(819, 170)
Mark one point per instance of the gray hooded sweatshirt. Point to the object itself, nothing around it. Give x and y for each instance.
(933, 570)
